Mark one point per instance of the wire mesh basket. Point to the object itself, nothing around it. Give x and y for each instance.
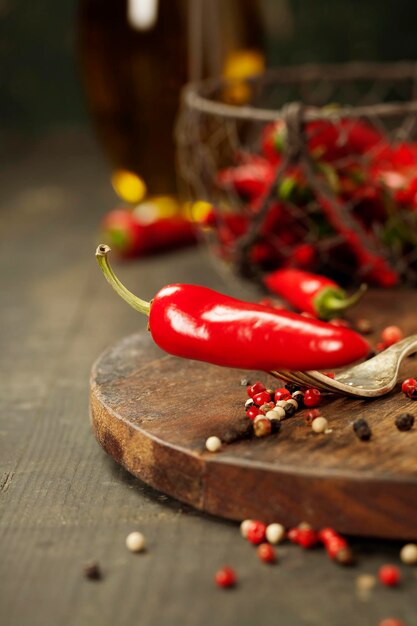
(312, 167)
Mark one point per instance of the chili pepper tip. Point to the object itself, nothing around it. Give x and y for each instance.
(102, 249)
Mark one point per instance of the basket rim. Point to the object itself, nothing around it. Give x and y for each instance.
(196, 95)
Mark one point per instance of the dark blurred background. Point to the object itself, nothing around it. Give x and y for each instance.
(40, 88)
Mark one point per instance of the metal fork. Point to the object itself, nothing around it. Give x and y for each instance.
(370, 379)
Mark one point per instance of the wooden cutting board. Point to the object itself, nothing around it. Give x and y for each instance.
(153, 413)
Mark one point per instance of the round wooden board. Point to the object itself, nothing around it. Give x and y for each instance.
(153, 413)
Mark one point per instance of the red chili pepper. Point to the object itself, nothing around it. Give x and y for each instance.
(131, 238)
(248, 179)
(198, 323)
(311, 293)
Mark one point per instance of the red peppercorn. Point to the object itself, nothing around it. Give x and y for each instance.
(253, 412)
(225, 577)
(266, 553)
(338, 321)
(292, 535)
(380, 346)
(335, 545)
(409, 382)
(307, 537)
(254, 389)
(389, 575)
(326, 534)
(282, 394)
(329, 374)
(409, 387)
(391, 621)
(261, 398)
(391, 335)
(312, 397)
(256, 532)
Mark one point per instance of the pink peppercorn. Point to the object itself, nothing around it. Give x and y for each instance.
(389, 575)
(225, 577)
(266, 553)
(282, 394)
(261, 398)
(312, 397)
(255, 388)
(307, 537)
(391, 335)
(256, 532)
(253, 412)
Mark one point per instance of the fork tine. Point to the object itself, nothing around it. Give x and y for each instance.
(304, 379)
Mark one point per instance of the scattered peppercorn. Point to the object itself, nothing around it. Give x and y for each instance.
(391, 335)
(262, 397)
(256, 532)
(407, 383)
(225, 577)
(389, 575)
(92, 571)
(282, 394)
(244, 527)
(213, 444)
(319, 425)
(409, 387)
(364, 326)
(252, 412)
(275, 425)
(404, 421)
(292, 535)
(292, 388)
(269, 406)
(255, 388)
(391, 621)
(312, 397)
(266, 553)
(135, 542)
(362, 430)
(298, 396)
(307, 537)
(289, 409)
(344, 556)
(408, 554)
(275, 533)
(262, 427)
(280, 411)
(310, 416)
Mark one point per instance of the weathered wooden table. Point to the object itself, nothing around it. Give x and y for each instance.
(63, 501)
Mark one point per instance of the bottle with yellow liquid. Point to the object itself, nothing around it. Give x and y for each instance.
(136, 55)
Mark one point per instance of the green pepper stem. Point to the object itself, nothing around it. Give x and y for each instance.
(330, 302)
(140, 305)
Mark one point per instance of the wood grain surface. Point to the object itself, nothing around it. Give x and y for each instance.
(63, 501)
(153, 413)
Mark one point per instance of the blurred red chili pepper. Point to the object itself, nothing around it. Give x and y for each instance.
(311, 293)
(249, 180)
(198, 323)
(131, 238)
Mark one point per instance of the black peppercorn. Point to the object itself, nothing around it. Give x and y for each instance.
(92, 571)
(292, 387)
(275, 426)
(298, 396)
(289, 409)
(405, 421)
(362, 430)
